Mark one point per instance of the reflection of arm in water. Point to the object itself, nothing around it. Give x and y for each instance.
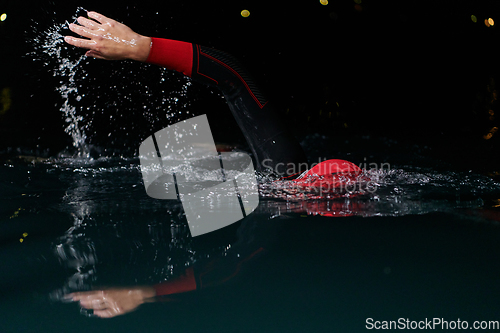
(271, 143)
(112, 302)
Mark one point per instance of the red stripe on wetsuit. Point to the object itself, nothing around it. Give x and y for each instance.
(178, 56)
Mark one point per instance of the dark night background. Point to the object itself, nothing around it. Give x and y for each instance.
(412, 71)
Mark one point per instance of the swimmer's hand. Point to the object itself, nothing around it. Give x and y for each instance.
(113, 302)
(108, 39)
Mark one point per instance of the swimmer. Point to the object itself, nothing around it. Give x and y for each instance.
(274, 149)
(271, 144)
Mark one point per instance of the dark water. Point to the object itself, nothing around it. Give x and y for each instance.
(423, 245)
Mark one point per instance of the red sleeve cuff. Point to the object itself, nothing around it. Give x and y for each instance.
(182, 284)
(171, 54)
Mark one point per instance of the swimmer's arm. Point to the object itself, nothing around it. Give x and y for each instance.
(108, 39)
(112, 302)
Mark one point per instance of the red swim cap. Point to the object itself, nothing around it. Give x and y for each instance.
(329, 167)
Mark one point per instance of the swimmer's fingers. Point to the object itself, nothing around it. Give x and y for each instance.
(92, 25)
(95, 304)
(86, 295)
(84, 32)
(99, 17)
(89, 44)
(107, 313)
(95, 54)
(82, 43)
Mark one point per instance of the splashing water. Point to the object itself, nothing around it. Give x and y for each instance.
(51, 43)
(74, 127)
